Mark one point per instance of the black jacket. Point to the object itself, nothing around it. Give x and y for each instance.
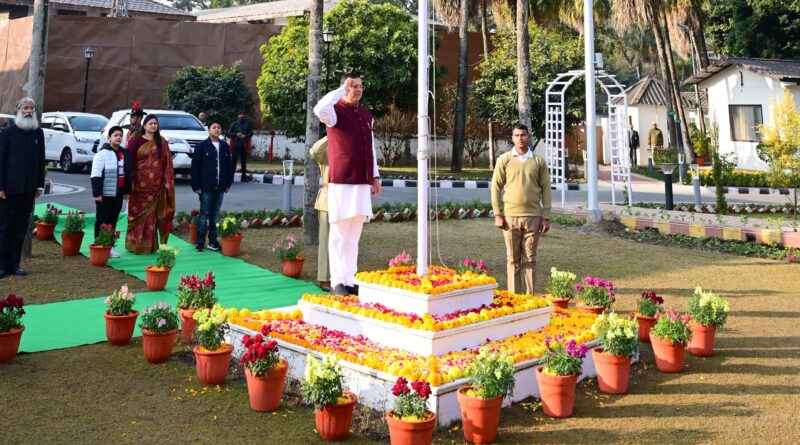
(21, 160)
(204, 167)
(634, 139)
(97, 181)
(240, 127)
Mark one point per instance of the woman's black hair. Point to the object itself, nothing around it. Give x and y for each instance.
(157, 134)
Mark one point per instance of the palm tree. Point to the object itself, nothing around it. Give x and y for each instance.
(314, 86)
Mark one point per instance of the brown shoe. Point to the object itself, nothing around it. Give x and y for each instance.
(325, 285)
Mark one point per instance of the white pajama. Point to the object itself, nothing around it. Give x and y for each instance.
(349, 207)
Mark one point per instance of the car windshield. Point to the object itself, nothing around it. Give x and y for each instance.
(6, 121)
(88, 123)
(179, 122)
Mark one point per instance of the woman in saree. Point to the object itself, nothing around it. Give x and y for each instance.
(151, 205)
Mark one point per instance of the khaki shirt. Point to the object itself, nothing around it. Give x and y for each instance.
(655, 138)
(319, 151)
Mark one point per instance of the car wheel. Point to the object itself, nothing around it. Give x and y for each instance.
(66, 161)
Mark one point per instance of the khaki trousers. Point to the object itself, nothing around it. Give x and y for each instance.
(522, 239)
(323, 273)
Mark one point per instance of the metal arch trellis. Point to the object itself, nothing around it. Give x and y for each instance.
(555, 149)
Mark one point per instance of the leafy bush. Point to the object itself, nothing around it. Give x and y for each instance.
(229, 226)
(322, 383)
(260, 356)
(51, 214)
(212, 325)
(649, 304)
(560, 283)
(159, 318)
(596, 292)
(195, 292)
(287, 247)
(492, 374)
(620, 336)
(107, 236)
(707, 308)
(166, 256)
(74, 223)
(411, 406)
(120, 302)
(562, 359)
(11, 312)
(672, 327)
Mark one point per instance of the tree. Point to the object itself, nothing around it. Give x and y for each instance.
(496, 89)
(218, 91)
(394, 131)
(379, 41)
(192, 5)
(780, 143)
(313, 94)
(755, 28)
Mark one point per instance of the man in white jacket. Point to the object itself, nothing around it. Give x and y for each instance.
(352, 175)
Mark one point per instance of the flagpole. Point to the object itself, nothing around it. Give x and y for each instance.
(423, 139)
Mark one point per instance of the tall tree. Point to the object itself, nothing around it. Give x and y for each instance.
(313, 94)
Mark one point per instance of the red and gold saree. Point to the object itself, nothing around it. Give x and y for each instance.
(151, 205)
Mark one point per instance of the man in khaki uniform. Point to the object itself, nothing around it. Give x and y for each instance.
(523, 210)
(655, 138)
(319, 151)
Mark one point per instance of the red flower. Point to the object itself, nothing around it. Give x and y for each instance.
(423, 389)
(400, 387)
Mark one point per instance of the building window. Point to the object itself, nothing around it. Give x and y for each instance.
(744, 120)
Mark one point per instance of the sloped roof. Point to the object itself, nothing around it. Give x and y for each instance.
(138, 7)
(650, 91)
(260, 11)
(780, 69)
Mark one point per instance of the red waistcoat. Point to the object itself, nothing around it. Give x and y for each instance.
(350, 145)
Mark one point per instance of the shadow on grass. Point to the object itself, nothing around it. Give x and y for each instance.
(731, 389)
(758, 353)
(764, 314)
(666, 410)
(590, 435)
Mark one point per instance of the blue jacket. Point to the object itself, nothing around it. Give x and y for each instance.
(204, 167)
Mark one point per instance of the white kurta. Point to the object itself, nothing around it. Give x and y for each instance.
(345, 200)
(349, 207)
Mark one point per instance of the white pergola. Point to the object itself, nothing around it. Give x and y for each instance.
(555, 148)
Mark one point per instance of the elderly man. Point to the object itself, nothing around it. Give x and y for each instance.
(202, 117)
(352, 175)
(21, 182)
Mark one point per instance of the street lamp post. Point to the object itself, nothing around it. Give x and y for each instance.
(327, 37)
(88, 53)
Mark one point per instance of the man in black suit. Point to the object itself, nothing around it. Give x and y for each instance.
(21, 182)
(212, 176)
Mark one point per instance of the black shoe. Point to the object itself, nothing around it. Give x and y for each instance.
(352, 290)
(18, 271)
(339, 289)
(4, 274)
(198, 247)
(214, 246)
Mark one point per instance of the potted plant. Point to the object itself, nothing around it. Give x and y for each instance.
(212, 354)
(470, 265)
(230, 236)
(72, 235)
(708, 312)
(620, 342)
(561, 364)
(595, 295)
(647, 307)
(669, 337)
(193, 216)
(491, 379)
(322, 386)
(559, 288)
(46, 225)
(265, 372)
(120, 316)
(288, 249)
(701, 143)
(666, 158)
(410, 420)
(103, 242)
(159, 325)
(156, 276)
(11, 326)
(194, 293)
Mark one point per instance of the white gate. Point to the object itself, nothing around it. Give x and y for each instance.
(555, 148)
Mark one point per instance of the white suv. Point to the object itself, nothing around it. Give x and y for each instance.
(182, 130)
(69, 138)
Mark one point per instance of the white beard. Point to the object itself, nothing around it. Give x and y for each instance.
(26, 123)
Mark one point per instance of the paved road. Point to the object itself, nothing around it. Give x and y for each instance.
(258, 196)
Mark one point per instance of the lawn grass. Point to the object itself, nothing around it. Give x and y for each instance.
(749, 392)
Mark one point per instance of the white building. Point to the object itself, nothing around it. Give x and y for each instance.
(740, 92)
(647, 103)
(274, 13)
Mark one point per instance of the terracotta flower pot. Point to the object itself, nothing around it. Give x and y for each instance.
(193, 233)
(9, 344)
(119, 328)
(156, 279)
(158, 347)
(557, 393)
(333, 421)
(231, 244)
(563, 303)
(188, 325)
(645, 325)
(44, 231)
(410, 433)
(293, 268)
(479, 417)
(590, 309)
(98, 255)
(212, 366)
(669, 358)
(612, 371)
(265, 391)
(71, 243)
(702, 342)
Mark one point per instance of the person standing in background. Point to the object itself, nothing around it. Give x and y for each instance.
(240, 134)
(319, 151)
(112, 172)
(212, 176)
